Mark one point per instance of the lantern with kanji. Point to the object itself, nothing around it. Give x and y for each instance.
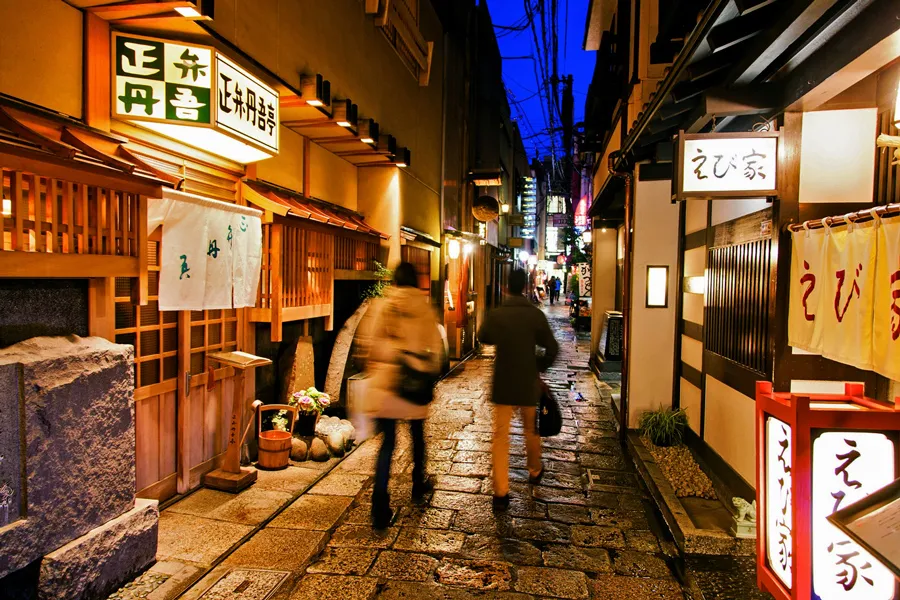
(815, 455)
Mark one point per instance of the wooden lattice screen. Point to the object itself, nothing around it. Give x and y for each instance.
(737, 312)
(40, 214)
(355, 254)
(153, 334)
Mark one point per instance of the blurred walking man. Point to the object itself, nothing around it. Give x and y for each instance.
(517, 328)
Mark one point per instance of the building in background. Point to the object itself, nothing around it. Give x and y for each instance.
(705, 276)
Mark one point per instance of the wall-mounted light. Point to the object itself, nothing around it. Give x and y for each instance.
(657, 286)
(387, 144)
(523, 256)
(603, 230)
(344, 113)
(504, 208)
(315, 90)
(368, 131)
(188, 11)
(586, 236)
(468, 249)
(402, 157)
(695, 284)
(453, 248)
(6, 208)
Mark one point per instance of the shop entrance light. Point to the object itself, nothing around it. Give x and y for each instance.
(344, 113)
(453, 248)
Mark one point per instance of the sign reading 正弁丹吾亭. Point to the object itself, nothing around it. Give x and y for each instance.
(162, 81)
(729, 165)
(246, 106)
(171, 86)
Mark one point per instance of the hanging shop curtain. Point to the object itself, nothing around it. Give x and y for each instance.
(211, 252)
(845, 295)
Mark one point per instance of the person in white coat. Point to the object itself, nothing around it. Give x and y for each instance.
(398, 330)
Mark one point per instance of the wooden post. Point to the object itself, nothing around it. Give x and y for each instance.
(275, 289)
(102, 307)
(183, 452)
(140, 287)
(231, 477)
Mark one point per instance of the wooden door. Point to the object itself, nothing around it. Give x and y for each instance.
(154, 335)
(206, 392)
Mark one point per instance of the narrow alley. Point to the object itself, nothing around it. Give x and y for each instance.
(589, 529)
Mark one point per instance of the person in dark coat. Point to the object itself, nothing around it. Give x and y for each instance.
(517, 328)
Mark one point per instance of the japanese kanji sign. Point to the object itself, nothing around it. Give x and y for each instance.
(847, 466)
(162, 81)
(713, 165)
(246, 106)
(779, 516)
(170, 86)
(845, 295)
(584, 279)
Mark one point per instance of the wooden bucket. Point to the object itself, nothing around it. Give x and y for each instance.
(274, 445)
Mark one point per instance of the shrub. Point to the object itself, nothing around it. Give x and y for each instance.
(664, 426)
(377, 289)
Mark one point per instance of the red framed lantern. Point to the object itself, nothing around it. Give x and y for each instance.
(815, 455)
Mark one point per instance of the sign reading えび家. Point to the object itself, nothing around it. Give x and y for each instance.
(733, 165)
(196, 95)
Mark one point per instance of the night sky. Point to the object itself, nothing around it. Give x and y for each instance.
(519, 74)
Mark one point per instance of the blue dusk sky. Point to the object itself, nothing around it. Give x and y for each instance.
(523, 76)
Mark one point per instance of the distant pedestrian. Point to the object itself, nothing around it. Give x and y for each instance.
(557, 286)
(552, 287)
(399, 340)
(517, 328)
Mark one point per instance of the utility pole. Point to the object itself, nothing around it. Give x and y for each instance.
(568, 105)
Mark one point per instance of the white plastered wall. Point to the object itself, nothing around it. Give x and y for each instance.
(652, 339)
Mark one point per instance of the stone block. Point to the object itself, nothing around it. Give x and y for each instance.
(297, 369)
(76, 406)
(98, 562)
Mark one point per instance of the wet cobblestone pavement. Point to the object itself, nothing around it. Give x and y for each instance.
(560, 539)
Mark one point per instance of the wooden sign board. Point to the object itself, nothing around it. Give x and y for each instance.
(726, 165)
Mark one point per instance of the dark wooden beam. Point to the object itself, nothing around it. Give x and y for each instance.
(675, 108)
(876, 26)
(716, 61)
(744, 27)
(689, 89)
(806, 41)
(786, 28)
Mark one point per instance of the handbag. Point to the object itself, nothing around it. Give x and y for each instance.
(549, 418)
(416, 386)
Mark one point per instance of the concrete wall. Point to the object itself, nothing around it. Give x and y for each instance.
(338, 40)
(36, 66)
(652, 329)
(333, 179)
(730, 427)
(285, 169)
(379, 199)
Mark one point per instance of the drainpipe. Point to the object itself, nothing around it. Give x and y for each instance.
(628, 178)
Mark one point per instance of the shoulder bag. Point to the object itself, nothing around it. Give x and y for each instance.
(548, 415)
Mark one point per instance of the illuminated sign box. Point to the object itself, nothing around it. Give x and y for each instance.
(195, 95)
(726, 165)
(816, 455)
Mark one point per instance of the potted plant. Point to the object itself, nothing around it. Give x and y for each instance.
(664, 427)
(310, 403)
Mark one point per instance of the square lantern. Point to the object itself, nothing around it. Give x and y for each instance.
(815, 455)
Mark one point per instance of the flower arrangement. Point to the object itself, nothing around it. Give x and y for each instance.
(310, 400)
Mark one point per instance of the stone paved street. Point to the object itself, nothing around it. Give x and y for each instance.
(560, 539)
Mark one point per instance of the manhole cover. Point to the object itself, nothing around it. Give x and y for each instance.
(245, 584)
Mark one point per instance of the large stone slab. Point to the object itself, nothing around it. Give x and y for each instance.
(95, 564)
(77, 398)
(296, 368)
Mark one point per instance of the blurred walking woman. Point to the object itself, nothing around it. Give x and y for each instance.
(401, 344)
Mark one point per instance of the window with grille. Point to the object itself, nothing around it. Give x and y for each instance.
(737, 312)
(153, 334)
(211, 331)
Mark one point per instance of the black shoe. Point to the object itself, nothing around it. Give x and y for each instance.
(382, 515)
(420, 490)
(500, 503)
(536, 479)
